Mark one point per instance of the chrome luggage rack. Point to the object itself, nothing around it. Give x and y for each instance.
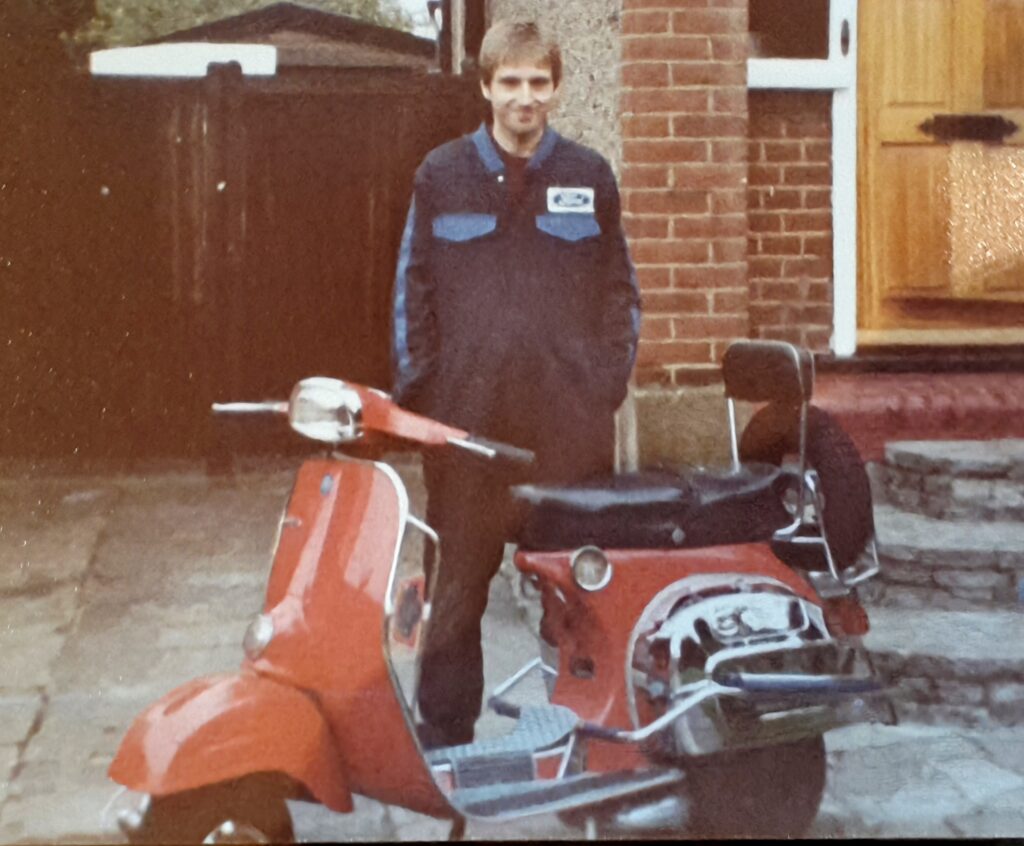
(833, 582)
(777, 371)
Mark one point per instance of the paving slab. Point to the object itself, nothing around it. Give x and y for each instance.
(952, 781)
(32, 634)
(62, 787)
(988, 823)
(1003, 748)
(9, 754)
(876, 736)
(35, 556)
(981, 780)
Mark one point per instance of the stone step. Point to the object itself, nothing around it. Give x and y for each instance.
(953, 479)
(960, 667)
(948, 564)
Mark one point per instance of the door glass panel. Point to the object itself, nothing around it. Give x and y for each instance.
(986, 218)
(789, 29)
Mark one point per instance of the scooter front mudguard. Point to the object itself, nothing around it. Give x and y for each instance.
(226, 726)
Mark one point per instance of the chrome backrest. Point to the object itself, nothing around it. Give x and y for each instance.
(768, 371)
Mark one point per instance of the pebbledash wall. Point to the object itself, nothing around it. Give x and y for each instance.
(726, 195)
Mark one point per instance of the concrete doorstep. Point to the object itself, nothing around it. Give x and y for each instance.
(115, 589)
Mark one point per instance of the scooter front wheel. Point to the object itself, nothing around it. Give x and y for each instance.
(247, 810)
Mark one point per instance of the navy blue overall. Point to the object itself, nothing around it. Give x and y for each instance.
(516, 321)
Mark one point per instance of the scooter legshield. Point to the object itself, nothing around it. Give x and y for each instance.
(226, 726)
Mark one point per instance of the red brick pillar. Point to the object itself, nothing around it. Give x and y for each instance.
(684, 113)
(790, 208)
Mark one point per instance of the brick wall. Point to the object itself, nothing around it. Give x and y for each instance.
(790, 211)
(684, 168)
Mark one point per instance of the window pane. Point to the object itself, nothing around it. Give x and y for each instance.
(789, 29)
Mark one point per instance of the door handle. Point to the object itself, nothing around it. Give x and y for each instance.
(990, 129)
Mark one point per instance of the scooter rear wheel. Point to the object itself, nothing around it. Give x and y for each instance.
(248, 810)
(768, 792)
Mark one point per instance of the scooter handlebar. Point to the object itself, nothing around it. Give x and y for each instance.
(494, 449)
(380, 415)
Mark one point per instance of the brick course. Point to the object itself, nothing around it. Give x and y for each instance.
(684, 168)
(789, 199)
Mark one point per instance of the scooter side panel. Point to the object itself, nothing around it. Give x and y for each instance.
(342, 532)
(226, 726)
(611, 613)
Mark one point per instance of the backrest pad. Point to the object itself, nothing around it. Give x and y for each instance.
(768, 371)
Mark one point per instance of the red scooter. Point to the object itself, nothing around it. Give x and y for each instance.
(700, 632)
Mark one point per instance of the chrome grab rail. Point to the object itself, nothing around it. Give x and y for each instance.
(843, 580)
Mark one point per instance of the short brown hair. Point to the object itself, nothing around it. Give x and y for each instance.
(511, 41)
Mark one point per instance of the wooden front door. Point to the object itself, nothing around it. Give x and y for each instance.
(941, 214)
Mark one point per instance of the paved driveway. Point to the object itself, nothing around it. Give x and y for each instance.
(115, 588)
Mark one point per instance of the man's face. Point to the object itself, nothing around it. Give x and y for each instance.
(521, 96)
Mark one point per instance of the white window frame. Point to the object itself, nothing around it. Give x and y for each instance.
(838, 74)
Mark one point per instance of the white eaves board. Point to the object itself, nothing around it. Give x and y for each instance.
(182, 60)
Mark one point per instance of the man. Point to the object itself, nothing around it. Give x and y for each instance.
(516, 318)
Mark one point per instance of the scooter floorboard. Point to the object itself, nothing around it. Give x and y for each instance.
(538, 727)
(540, 796)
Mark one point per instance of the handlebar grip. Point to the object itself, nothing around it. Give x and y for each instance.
(267, 407)
(503, 451)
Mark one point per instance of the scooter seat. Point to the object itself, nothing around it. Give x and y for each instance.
(655, 509)
(647, 490)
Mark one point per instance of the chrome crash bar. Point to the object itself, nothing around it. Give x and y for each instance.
(727, 684)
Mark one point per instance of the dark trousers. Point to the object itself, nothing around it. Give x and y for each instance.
(469, 507)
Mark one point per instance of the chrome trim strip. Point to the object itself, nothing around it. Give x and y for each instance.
(416, 523)
(389, 609)
(570, 747)
(734, 443)
(403, 515)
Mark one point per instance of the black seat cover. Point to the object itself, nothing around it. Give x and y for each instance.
(654, 510)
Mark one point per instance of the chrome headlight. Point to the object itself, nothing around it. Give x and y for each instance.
(258, 636)
(591, 569)
(326, 410)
